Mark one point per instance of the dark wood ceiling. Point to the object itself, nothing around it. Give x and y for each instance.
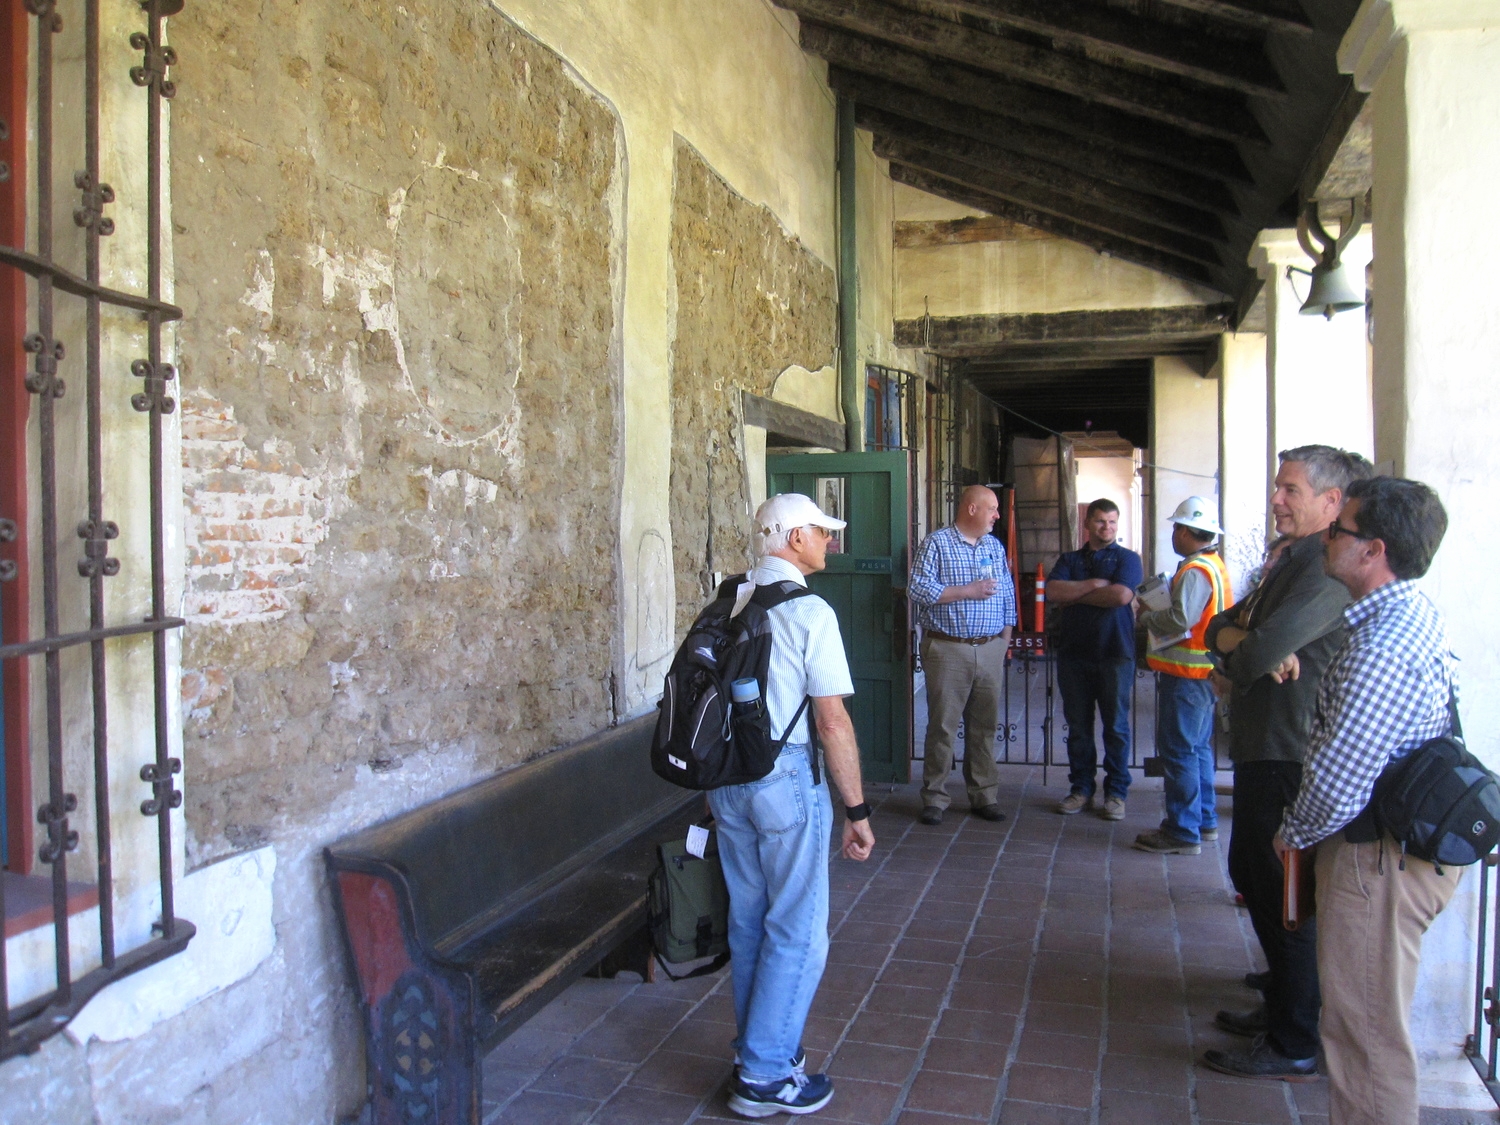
(1163, 132)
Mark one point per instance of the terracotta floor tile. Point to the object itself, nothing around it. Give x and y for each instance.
(876, 1062)
(987, 997)
(980, 1026)
(890, 1028)
(533, 1047)
(937, 929)
(1016, 1112)
(960, 1095)
(1053, 1085)
(937, 952)
(636, 1105)
(1119, 1107)
(701, 1037)
(860, 1101)
(581, 1077)
(1145, 1074)
(676, 1072)
(848, 978)
(858, 953)
(645, 1010)
(1079, 1052)
(619, 1042)
(1247, 1101)
(905, 1000)
(546, 1109)
(1065, 1019)
(918, 974)
(964, 1056)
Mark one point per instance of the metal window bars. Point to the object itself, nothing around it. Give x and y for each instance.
(1482, 1045)
(29, 1023)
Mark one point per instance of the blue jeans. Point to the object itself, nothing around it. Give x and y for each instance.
(1105, 684)
(773, 841)
(1185, 744)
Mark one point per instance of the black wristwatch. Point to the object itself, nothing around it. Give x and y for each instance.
(860, 811)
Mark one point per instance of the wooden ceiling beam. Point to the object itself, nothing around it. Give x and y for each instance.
(1268, 15)
(1027, 194)
(1235, 64)
(1123, 248)
(1099, 124)
(1091, 158)
(1124, 330)
(1052, 177)
(1198, 111)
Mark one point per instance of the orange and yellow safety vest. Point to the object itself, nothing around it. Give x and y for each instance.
(1189, 658)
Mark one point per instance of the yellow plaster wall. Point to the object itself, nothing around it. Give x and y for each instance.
(1034, 276)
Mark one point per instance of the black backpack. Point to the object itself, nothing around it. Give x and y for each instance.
(1439, 803)
(703, 740)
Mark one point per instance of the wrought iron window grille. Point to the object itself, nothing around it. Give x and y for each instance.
(30, 1022)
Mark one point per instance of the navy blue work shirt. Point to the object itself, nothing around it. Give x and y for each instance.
(1090, 632)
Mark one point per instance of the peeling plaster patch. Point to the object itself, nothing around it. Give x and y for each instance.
(340, 674)
(253, 522)
(474, 488)
(372, 277)
(261, 294)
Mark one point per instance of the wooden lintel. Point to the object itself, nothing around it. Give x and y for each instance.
(1099, 123)
(1045, 174)
(1091, 158)
(1126, 250)
(1232, 63)
(1172, 323)
(1213, 114)
(911, 235)
(1271, 15)
(1105, 219)
(792, 425)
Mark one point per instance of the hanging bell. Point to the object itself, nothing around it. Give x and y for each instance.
(1331, 291)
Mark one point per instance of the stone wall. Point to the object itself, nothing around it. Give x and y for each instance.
(398, 240)
(393, 243)
(751, 302)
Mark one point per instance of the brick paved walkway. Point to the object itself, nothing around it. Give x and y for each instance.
(1033, 971)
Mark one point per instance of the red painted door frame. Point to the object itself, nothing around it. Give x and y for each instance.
(15, 408)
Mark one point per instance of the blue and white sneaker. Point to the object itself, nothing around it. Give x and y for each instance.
(797, 1093)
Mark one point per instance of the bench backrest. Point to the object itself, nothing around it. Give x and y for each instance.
(475, 856)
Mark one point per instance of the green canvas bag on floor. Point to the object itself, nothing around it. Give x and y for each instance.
(687, 907)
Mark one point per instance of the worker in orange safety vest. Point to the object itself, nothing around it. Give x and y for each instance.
(1178, 652)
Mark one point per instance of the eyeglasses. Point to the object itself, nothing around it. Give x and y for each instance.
(1335, 529)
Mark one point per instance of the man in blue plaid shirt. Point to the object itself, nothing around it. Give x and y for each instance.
(966, 603)
(1385, 693)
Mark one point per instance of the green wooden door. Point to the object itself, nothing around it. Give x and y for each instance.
(865, 582)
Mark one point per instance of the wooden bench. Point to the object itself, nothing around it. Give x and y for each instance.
(467, 915)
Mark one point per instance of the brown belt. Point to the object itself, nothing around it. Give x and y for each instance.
(975, 641)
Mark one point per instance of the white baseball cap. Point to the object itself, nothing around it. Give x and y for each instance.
(792, 510)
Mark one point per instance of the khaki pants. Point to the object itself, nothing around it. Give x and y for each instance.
(963, 681)
(1371, 918)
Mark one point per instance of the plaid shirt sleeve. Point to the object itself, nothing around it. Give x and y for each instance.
(925, 586)
(1380, 698)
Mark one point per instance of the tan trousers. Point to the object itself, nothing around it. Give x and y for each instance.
(963, 682)
(1371, 918)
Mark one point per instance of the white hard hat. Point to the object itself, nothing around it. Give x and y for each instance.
(1197, 513)
(791, 510)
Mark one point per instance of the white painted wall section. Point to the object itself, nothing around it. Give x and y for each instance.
(1318, 369)
(1184, 448)
(1244, 453)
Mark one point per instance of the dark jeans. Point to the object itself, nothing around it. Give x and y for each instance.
(1262, 791)
(1105, 684)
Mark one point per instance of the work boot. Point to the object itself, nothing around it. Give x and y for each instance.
(990, 811)
(1248, 1024)
(1074, 803)
(1262, 1061)
(1159, 842)
(931, 815)
(1114, 808)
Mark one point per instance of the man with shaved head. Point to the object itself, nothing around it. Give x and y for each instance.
(966, 604)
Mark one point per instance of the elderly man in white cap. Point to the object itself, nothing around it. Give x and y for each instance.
(773, 833)
(1178, 651)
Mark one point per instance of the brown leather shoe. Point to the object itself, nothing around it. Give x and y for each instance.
(990, 811)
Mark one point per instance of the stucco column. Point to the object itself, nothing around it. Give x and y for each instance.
(1318, 376)
(1244, 466)
(1431, 69)
(1184, 449)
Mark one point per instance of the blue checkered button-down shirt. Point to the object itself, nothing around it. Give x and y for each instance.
(946, 558)
(1385, 694)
